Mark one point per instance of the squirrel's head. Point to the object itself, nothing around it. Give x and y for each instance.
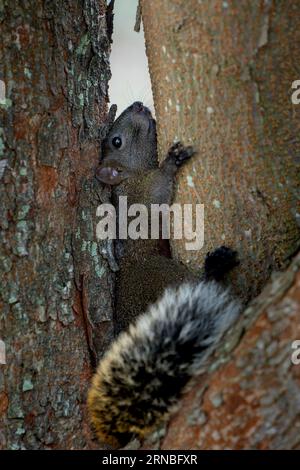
(131, 141)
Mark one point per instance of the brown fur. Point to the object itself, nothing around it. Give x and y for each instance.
(126, 397)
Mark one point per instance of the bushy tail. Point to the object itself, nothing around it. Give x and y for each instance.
(146, 369)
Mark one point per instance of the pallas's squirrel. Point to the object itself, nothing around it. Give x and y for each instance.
(168, 320)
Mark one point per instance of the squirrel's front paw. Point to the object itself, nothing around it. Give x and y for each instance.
(178, 153)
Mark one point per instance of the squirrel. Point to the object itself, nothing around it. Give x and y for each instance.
(168, 320)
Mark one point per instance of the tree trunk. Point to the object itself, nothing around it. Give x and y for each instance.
(222, 75)
(54, 68)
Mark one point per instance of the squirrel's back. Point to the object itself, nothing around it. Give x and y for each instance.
(146, 369)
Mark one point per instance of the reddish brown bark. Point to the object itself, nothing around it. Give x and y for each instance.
(222, 75)
(54, 63)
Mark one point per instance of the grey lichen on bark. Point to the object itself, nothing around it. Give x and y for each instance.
(93, 275)
(55, 65)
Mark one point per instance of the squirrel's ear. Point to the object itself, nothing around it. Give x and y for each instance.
(109, 175)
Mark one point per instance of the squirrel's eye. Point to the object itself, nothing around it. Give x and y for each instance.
(117, 142)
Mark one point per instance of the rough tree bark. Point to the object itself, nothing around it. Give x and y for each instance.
(222, 75)
(54, 64)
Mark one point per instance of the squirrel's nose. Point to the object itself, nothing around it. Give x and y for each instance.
(138, 106)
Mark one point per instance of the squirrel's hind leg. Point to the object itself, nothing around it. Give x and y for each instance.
(219, 262)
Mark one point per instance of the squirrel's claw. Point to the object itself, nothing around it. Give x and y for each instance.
(178, 153)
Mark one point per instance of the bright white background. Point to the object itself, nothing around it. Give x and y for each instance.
(130, 77)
